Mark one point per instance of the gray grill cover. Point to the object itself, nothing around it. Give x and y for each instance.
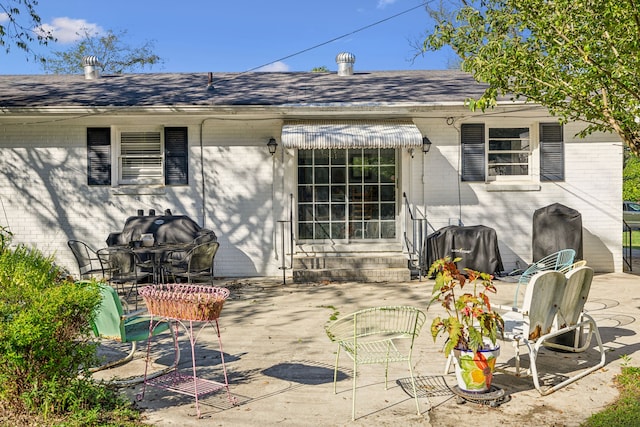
(556, 227)
(477, 246)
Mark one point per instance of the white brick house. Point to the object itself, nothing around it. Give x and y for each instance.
(78, 156)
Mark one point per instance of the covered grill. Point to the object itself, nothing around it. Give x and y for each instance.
(556, 227)
(477, 246)
(166, 229)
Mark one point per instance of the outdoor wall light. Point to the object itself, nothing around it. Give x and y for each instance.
(272, 145)
(426, 145)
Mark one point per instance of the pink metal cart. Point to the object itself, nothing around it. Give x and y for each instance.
(194, 307)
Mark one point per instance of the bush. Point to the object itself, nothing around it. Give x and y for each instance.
(45, 339)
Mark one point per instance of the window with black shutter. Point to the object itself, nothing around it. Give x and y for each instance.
(98, 156)
(473, 148)
(551, 152)
(175, 156)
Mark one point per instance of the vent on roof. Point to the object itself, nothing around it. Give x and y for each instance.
(91, 67)
(345, 61)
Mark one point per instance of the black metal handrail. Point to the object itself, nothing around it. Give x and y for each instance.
(416, 245)
(284, 233)
(627, 249)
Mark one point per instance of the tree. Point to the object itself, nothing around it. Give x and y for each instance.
(21, 32)
(631, 178)
(578, 58)
(114, 55)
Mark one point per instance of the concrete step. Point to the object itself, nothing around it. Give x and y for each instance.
(351, 261)
(365, 267)
(353, 275)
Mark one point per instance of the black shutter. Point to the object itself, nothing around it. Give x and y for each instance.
(473, 159)
(176, 166)
(99, 156)
(551, 152)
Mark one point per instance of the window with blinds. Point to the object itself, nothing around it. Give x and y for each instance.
(492, 153)
(141, 159)
(508, 152)
(146, 157)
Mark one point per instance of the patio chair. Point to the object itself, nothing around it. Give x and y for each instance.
(112, 323)
(88, 263)
(197, 263)
(553, 308)
(555, 262)
(573, 266)
(369, 336)
(121, 266)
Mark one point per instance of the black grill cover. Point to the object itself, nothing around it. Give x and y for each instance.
(477, 246)
(556, 227)
(165, 229)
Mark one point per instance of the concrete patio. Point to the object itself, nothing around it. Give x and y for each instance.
(280, 362)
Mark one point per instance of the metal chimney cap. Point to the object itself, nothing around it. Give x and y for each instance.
(345, 57)
(90, 60)
(91, 67)
(345, 62)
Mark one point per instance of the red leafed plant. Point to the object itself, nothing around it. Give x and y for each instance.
(470, 323)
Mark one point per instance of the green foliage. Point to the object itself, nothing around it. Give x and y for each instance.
(45, 346)
(44, 332)
(631, 178)
(321, 69)
(22, 26)
(579, 59)
(5, 238)
(470, 320)
(115, 56)
(625, 412)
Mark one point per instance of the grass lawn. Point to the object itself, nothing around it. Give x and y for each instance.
(626, 411)
(635, 239)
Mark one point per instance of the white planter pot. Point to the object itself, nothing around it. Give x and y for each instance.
(474, 372)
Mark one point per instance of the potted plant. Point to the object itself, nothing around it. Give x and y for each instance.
(470, 325)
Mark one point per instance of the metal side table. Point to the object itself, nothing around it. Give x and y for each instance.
(192, 307)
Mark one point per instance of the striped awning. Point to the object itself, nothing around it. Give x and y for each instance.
(350, 134)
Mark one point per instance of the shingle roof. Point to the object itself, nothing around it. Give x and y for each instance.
(238, 89)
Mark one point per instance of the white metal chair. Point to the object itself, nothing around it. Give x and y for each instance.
(553, 310)
(573, 266)
(554, 262)
(369, 336)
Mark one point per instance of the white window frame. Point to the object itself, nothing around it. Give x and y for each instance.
(526, 151)
(146, 155)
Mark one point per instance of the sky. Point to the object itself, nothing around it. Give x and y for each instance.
(246, 35)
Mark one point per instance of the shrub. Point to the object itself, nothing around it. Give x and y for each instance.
(45, 336)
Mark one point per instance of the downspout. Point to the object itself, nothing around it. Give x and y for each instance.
(204, 196)
(423, 165)
(281, 211)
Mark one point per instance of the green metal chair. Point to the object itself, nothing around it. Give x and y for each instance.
(369, 336)
(112, 323)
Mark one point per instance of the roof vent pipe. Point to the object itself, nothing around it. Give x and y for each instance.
(345, 61)
(90, 65)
